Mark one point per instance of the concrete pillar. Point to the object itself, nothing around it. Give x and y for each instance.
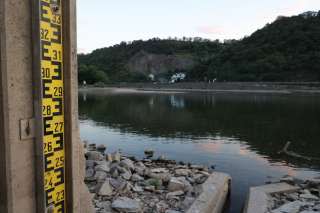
(18, 188)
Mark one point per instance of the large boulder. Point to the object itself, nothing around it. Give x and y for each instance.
(171, 195)
(127, 163)
(315, 182)
(103, 166)
(94, 155)
(100, 176)
(90, 164)
(125, 204)
(89, 175)
(200, 178)
(136, 178)
(292, 207)
(119, 184)
(175, 185)
(179, 183)
(101, 148)
(163, 176)
(106, 189)
(126, 175)
(105, 206)
(182, 172)
(140, 168)
(172, 211)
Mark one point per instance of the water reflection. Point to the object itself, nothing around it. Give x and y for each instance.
(177, 102)
(266, 123)
(240, 134)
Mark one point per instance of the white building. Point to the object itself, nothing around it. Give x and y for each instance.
(151, 77)
(178, 77)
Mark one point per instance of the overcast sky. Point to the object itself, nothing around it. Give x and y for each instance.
(103, 23)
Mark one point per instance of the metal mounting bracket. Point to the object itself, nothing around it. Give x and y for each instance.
(27, 129)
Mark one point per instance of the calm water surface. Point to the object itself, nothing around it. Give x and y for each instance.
(240, 134)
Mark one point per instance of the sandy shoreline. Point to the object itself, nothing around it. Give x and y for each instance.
(116, 90)
(126, 90)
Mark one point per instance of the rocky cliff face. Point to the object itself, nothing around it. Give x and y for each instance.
(158, 64)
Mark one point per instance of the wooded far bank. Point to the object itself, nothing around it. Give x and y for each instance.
(287, 50)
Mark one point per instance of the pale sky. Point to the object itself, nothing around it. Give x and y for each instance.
(103, 23)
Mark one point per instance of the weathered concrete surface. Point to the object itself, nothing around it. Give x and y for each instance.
(259, 196)
(3, 156)
(3, 173)
(80, 200)
(17, 157)
(17, 102)
(214, 195)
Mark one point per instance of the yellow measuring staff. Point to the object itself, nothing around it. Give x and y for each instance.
(51, 54)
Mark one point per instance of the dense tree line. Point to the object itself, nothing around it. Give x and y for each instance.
(286, 50)
(112, 61)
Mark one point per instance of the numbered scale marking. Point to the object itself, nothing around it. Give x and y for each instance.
(51, 54)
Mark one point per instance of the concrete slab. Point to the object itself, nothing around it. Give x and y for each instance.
(214, 195)
(258, 198)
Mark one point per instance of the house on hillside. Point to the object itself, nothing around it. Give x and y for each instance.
(151, 77)
(178, 77)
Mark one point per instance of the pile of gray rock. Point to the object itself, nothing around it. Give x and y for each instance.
(306, 199)
(124, 184)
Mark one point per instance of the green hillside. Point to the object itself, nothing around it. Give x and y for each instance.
(286, 50)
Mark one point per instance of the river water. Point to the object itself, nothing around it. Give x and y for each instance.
(239, 134)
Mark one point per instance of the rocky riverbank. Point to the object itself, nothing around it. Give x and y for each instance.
(121, 183)
(306, 199)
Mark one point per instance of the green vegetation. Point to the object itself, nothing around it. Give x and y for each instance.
(286, 50)
(113, 61)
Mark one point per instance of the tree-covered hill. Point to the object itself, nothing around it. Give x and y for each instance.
(286, 50)
(112, 64)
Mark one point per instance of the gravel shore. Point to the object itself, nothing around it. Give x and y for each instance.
(121, 183)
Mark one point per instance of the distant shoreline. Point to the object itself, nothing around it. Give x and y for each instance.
(230, 87)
